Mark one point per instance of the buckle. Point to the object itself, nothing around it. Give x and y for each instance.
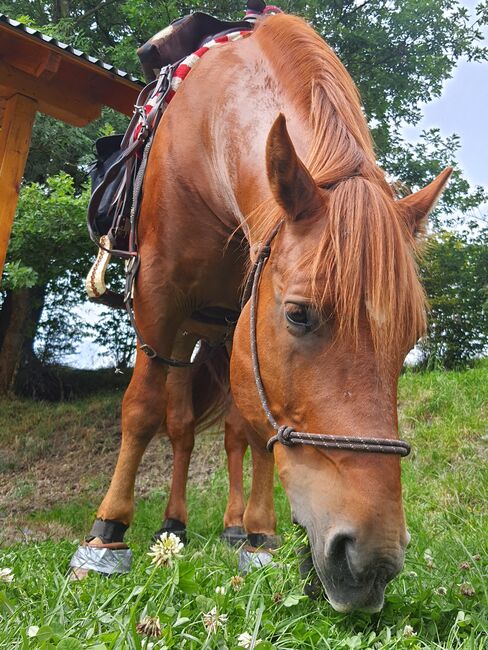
(149, 351)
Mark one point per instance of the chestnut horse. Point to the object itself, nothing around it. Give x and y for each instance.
(340, 303)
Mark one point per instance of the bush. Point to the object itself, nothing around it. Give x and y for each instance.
(455, 276)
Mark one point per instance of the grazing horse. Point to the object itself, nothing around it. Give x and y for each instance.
(340, 303)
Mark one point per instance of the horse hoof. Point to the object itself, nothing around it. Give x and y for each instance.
(234, 535)
(106, 559)
(258, 552)
(174, 526)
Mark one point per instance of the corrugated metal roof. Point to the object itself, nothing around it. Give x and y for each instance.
(68, 48)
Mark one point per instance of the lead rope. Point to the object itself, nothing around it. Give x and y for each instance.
(285, 434)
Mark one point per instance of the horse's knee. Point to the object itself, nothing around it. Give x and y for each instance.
(141, 418)
(182, 435)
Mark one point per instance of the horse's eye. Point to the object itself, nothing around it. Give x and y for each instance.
(298, 317)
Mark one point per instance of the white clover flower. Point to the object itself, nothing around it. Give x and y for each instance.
(32, 631)
(220, 591)
(408, 631)
(441, 591)
(411, 574)
(167, 548)
(149, 626)
(236, 582)
(244, 640)
(429, 560)
(6, 575)
(212, 620)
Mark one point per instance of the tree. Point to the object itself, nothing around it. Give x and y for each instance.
(47, 257)
(113, 332)
(455, 276)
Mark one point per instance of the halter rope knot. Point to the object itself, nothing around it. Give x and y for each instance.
(284, 435)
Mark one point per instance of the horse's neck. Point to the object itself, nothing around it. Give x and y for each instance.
(241, 127)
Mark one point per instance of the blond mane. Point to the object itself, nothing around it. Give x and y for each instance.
(364, 261)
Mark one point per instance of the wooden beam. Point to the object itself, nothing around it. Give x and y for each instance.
(27, 53)
(15, 134)
(69, 101)
(48, 66)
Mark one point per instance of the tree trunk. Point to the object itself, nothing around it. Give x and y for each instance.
(19, 319)
(61, 9)
(14, 320)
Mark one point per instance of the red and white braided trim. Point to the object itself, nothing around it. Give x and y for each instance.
(184, 68)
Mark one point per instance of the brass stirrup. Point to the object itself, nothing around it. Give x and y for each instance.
(95, 280)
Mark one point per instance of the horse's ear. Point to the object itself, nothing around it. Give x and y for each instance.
(291, 183)
(418, 206)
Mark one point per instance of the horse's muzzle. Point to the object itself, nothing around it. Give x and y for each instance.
(353, 574)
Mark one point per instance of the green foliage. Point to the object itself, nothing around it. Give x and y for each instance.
(49, 233)
(115, 335)
(49, 248)
(419, 163)
(455, 276)
(441, 594)
(113, 332)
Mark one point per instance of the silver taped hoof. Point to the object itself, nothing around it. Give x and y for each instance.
(249, 560)
(102, 560)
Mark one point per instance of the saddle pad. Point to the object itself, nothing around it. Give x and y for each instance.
(182, 71)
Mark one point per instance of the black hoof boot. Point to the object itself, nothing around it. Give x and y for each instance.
(174, 526)
(108, 556)
(313, 586)
(234, 535)
(261, 540)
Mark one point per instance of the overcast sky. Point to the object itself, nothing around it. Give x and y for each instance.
(463, 109)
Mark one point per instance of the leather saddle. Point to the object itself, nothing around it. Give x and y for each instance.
(114, 172)
(181, 38)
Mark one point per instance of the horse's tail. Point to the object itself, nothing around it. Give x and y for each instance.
(210, 389)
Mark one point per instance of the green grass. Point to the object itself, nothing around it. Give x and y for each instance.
(441, 594)
(30, 430)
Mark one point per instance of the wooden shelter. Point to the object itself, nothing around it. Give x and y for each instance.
(38, 73)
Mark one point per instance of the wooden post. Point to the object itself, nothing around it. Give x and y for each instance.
(15, 134)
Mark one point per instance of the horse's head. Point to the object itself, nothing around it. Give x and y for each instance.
(340, 305)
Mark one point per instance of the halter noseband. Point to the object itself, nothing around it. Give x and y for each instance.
(285, 434)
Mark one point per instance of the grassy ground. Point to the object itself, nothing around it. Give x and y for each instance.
(439, 601)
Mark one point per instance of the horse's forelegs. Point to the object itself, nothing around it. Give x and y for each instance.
(180, 425)
(260, 516)
(142, 413)
(235, 446)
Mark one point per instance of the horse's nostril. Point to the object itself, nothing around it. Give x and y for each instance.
(340, 547)
(352, 562)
